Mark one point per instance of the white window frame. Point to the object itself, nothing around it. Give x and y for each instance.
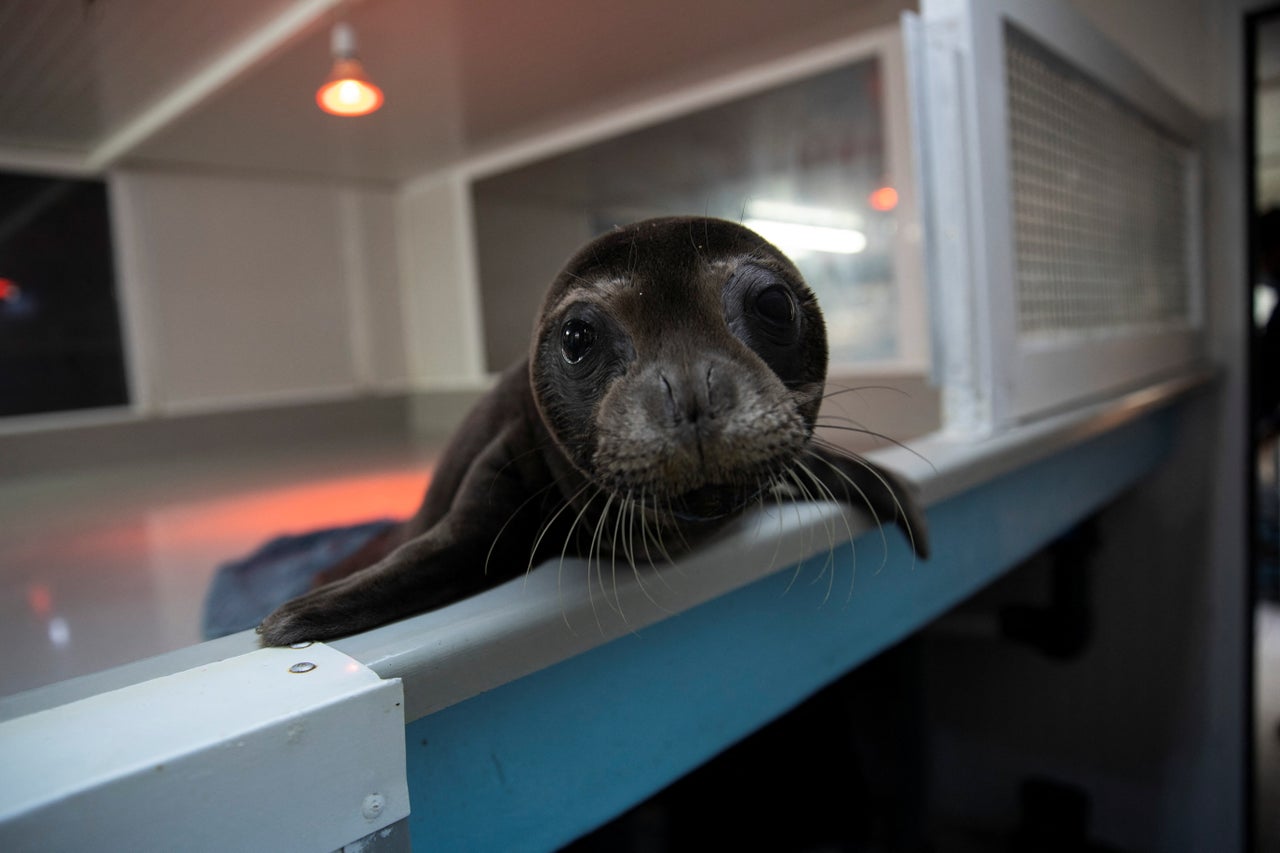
(991, 377)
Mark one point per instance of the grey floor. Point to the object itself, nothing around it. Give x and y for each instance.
(106, 567)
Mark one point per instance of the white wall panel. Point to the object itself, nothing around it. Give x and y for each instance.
(259, 290)
(521, 248)
(438, 283)
(373, 287)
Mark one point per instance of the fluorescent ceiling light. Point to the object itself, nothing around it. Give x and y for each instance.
(795, 237)
(803, 214)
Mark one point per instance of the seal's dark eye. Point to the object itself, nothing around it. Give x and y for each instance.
(776, 305)
(575, 339)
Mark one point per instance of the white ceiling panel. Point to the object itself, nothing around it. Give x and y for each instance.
(230, 84)
(74, 71)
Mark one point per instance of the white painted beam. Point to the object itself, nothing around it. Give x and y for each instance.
(222, 70)
(233, 755)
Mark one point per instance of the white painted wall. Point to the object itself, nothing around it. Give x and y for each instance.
(372, 276)
(521, 247)
(248, 290)
(439, 285)
(1162, 35)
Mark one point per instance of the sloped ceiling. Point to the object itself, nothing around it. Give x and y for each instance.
(89, 84)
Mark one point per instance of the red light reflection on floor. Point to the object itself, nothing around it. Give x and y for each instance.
(254, 517)
(40, 599)
(103, 536)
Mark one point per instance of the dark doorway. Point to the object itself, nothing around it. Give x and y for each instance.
(1262, 110)
(60, 342)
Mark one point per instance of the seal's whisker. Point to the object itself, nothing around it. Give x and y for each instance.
(845, 423)
(547, 526)
(636, 507)
(489, 555)
(828, 566)
(568, 537)
(899, 508)
(684, 543)
(619, 515)
(662, 544)
(858, 389)
(536, 449)
(564, 614)
(650, 543)
(635, 568)
(884, 540)
(573, 526)
(644, 532)
(808, 496)
(597, 548)
(853, 551)
(835, 448)
(843, 519)
(772, 485)
(795, 575)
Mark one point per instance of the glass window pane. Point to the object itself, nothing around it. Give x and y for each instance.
(803, 163)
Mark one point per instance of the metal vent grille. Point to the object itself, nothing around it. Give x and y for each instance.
(1100, 203)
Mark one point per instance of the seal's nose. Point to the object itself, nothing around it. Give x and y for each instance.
(696, 394)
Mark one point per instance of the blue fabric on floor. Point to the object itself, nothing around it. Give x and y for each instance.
(244, 591)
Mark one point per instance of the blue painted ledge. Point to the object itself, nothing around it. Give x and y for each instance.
(533, 763)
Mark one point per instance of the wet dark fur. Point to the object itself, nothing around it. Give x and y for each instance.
(691, 395)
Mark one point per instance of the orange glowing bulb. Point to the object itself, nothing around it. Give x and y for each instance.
(884, 199)
(348, 91)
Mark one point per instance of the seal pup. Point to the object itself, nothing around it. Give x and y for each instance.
(673, 380)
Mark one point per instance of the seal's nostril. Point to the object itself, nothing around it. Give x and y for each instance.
(669, 401)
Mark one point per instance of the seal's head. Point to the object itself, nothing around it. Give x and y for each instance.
(680, 362)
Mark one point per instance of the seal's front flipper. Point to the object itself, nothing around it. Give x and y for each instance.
(853, 480)
(447, 562)
(402, 584)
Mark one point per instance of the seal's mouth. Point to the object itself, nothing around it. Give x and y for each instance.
(711, 503)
